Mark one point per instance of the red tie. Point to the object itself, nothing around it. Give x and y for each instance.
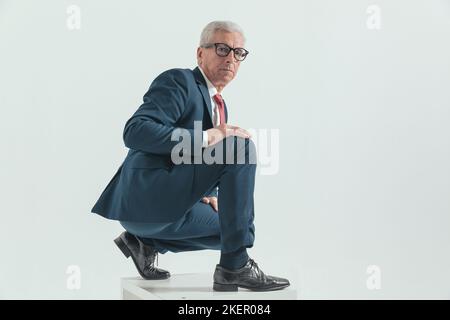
(218, 99)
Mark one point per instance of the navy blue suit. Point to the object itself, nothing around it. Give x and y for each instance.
(149, 190)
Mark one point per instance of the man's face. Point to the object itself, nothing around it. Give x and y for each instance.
(220, 70)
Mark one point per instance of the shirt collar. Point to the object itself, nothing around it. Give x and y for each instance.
(211, 89)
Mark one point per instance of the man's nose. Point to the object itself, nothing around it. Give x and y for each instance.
(230, 58)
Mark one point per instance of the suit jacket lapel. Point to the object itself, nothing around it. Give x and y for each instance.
(201, 82)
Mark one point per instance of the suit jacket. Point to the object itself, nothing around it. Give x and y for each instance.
(175, 99)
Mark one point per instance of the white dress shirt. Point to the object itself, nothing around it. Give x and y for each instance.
(215, 111)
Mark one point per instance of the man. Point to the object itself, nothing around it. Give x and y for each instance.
(168, 206)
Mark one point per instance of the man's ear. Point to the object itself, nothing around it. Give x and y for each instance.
(199, 54)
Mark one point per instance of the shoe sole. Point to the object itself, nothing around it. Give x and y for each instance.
(127, 253)
(234, 287)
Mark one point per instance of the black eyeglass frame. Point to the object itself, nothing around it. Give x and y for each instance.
(210, 45)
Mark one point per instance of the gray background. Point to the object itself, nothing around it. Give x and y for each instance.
(364, 139)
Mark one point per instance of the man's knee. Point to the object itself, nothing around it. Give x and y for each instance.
(244, 150)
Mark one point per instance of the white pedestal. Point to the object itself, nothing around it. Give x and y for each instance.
(193, 286)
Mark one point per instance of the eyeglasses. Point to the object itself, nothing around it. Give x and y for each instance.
(223, 50)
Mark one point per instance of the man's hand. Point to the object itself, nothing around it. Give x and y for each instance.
(225, 130)
(212, 201)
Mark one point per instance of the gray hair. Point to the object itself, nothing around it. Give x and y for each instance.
(214, 26)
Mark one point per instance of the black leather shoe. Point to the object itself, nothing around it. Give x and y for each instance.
(248, 277)
(143, 256)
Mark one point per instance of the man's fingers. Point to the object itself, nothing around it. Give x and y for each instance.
(225, 130)
(205, 200)
(245, 132)
(240, 133)
(214, 203)
(236, 131)
(230, 126)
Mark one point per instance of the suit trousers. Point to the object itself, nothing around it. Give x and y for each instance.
(201, 227)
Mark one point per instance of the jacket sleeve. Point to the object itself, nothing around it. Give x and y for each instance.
(151, 126)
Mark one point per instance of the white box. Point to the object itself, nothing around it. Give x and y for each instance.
(193, 286)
